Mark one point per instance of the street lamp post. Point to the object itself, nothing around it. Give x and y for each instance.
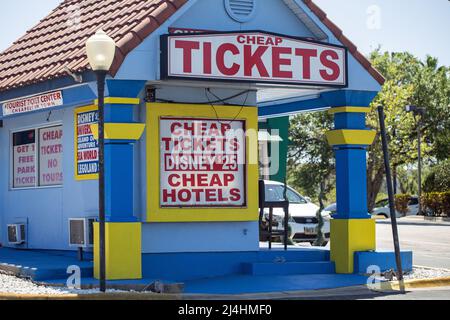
(100, 50)
(418, 112)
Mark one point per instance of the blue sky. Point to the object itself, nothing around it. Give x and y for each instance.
(419, 26)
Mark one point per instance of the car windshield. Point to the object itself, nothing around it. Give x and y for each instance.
(382, 203)
(275, 193)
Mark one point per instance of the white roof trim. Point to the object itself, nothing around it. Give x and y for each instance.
(309, 23)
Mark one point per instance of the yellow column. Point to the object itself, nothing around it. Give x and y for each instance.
(123, 251)
(349, 236)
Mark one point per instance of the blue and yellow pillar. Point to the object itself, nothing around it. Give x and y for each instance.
(123, 229)
(352, 228)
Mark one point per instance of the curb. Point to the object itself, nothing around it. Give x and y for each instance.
(414, 284)
(355, 291)
(94, 297)
(135, 296)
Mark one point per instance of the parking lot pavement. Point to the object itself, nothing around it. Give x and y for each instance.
(430, 242)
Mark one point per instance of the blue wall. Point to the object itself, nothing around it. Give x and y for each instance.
(46, 209)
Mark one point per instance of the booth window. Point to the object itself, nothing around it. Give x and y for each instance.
(37, 157)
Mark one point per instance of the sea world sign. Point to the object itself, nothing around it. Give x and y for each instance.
(29, 104)
(255, 57)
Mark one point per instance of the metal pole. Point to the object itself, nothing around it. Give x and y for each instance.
(286, 216)
(419, 151)
(101, 75)
(391, 198)
(394, 173)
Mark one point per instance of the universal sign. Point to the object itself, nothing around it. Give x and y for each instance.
(253, 57)
(44, 101)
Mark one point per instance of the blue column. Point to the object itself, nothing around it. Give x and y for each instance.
(120, 137)
(351, 170)
(352, 228)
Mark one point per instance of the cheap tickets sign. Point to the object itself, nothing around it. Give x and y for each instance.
(202, 163)
(253, 57)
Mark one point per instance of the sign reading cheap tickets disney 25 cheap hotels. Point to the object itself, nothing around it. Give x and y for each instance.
(253, 57)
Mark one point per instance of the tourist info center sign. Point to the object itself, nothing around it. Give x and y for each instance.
(255, 57)
(202, 163)
(35, 103)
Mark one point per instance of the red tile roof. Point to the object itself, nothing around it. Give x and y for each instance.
(58, 41)
(345, 41)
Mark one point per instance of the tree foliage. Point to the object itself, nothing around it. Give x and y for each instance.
(311, 160)
(409, 81)
(438, 180)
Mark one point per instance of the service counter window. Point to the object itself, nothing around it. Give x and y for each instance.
(37, 157)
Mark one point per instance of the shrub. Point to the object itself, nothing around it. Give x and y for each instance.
(401, 203)
(436, 203)
(438, 180)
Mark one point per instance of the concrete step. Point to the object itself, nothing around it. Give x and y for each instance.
(288, 268)
(296, 255)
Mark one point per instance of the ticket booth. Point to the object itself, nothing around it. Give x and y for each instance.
(182, 110)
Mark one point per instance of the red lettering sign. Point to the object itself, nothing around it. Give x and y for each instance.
(202, 162)
(254, 57)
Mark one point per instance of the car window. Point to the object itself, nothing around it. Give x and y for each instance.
(275, 193)
(413, 201)
(293, 197)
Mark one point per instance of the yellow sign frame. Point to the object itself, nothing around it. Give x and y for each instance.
(77, 111)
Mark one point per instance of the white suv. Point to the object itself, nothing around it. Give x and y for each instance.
(303, 214)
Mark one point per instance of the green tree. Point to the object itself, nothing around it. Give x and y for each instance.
(311, 160)
(438, 179)
(409, 81)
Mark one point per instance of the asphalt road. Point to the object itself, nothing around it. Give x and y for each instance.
(430, 242)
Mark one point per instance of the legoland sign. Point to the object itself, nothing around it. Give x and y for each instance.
(255, 57)
(202, 163)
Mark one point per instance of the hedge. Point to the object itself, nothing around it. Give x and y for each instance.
(436, 203)
(401, 203)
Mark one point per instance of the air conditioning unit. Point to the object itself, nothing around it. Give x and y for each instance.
(16, 234)
(81, 232)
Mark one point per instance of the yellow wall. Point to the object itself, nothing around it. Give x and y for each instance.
(157, 214)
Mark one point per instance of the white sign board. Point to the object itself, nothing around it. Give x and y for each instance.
(24, 159)
(44, 101)
(255, 57)
(50, 156)
(202, 163)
